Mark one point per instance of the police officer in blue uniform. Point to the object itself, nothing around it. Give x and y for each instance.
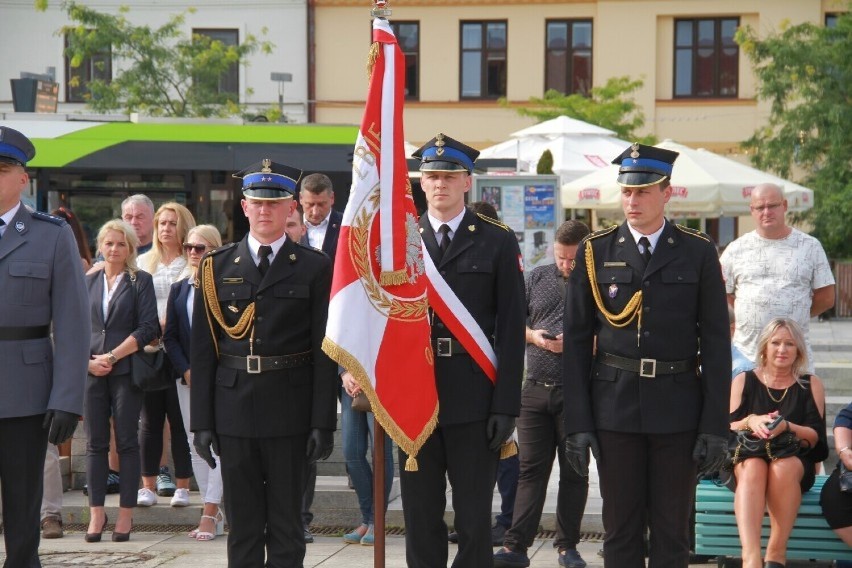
(647, 362)
(42, 384)
(479, 259)
(263, 391)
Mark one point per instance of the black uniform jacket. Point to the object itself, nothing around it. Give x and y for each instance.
(684, 310)
(291, 306)
(482, 266)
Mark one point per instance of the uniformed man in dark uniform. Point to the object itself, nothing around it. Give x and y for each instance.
(263, 391)
(479, 260)
(42, 384)
(653, 409)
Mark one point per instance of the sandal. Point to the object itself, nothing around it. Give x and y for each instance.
(218, 521)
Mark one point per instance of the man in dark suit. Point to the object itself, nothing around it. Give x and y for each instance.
(650, 292)
(41, 387)
(263, 392)
(479, 261)
(321, 220)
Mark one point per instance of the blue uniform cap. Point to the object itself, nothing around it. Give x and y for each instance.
(644, 165)
(15, 148)
(443, 154)
(269, 180)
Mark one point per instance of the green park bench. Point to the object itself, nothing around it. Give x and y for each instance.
(716, 531)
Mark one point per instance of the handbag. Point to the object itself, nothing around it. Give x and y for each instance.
(361, 403)
(743, 445)
(149, 371)
(844, 479)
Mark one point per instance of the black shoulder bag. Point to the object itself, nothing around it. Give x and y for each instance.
(148, 371)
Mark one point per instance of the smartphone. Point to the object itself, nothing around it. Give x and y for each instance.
(547, 335)
(774, 424)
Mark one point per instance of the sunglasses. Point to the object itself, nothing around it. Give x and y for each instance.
(189, 247)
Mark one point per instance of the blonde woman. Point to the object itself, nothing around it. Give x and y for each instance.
(121, 325)
(201, 240)
(167, 263)
(778, 386)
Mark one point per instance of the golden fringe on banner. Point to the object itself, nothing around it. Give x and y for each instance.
(372, 56)
(393, 278)
(508, 449)
(409, 446)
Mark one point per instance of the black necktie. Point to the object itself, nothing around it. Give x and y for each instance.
(263, 252)
(646, 246)
(445, 238)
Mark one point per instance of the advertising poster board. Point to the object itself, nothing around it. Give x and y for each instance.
(529, 205)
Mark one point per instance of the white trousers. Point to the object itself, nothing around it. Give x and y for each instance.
(209, 480)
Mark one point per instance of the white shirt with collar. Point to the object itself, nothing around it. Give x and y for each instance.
(316, 233)
(452, 223)
(652, 238)
(254, 247)
(7, 218)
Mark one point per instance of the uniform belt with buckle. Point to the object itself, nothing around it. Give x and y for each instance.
(648, 368)
(447, 347)
(255, 364)
(28, 332)
(545, 384)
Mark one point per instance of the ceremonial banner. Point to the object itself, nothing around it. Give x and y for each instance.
(377, 319)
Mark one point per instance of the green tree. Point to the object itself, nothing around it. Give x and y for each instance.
(803, 71)
(545, 163)
(158, 72)
(610, 106)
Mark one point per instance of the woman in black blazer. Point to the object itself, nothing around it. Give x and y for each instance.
(199, 240)
(121, 325)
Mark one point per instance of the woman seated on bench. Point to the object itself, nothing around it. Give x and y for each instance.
(779, 386)
(837, 504)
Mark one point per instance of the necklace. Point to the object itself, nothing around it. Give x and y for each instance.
(769, 392)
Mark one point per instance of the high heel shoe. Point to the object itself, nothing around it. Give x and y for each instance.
(122, 536)
(219, 523)
(96, 537)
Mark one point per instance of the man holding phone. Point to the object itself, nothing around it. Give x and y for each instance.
(540, 425)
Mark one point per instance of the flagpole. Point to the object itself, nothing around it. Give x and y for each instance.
(378, 494)
(379, 10)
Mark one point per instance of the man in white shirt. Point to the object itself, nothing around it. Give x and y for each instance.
(774, 271)
(321, 220)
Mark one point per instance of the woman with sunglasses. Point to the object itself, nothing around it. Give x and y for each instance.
(199, 241)
(167, 263)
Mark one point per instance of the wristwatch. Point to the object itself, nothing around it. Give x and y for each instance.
(112, 358)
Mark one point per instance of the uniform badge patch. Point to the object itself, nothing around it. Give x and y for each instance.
(613, 290)
(19, 226)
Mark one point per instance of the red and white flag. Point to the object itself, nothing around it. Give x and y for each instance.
(377, 319)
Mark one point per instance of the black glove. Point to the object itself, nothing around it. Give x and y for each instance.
(62, 425)
(710, 452)
(204, 440)
(498, 430)
(577, 451)
(320, 444)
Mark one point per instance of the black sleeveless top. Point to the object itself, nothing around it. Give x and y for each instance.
(797, 405)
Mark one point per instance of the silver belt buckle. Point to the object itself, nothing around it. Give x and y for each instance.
(648, 368)
(253, 364)
(444, 347)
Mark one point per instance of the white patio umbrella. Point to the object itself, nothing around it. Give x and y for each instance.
(702, 183)
(562, 126)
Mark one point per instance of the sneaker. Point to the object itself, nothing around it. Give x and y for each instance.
(146, 498)
(51, 527)
(570, 558)
(309, 537)
(505, 558)
(165, 486)
(113, 483)
(498, 531)
(181, 498)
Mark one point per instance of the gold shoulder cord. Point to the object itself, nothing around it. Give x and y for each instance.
(211, 302)
(633, 309)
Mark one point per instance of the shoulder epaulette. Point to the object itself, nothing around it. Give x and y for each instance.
(493, 222)
(48, 217)
(309, 248)
(221, 249)
(599, 233)
(693, 232)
